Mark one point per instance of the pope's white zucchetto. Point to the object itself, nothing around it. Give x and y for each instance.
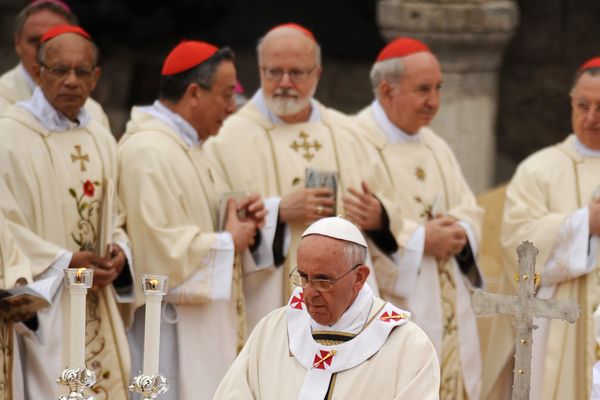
(337, 228)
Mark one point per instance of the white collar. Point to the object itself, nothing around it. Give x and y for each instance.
(355, 316)
(584, 150)
(28, 79)
(259, 101)
(183, 128)
(393, 133)
(49, 117)
(321, 361)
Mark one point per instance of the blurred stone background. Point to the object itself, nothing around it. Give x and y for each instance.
(552, 38)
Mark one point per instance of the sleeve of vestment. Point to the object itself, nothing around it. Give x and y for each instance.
(164, 237)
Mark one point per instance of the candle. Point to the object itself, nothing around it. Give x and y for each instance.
(78, 281)
(154, 287)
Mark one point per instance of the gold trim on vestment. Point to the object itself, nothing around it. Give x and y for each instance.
(6, 347)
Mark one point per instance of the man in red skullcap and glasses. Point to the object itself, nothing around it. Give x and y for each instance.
(436, 265)
(553, 200)
(58, 170)
(301, 156)
(176, 223)
(31, 23)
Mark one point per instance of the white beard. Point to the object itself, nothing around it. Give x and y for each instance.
(288, 105)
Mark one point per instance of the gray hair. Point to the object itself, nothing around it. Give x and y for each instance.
(595, 71)
(260, 45)
(390, 70)
(35, 8)
(355, 253)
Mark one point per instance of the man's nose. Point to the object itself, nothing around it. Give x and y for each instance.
(231, 107)
(286, 80)
(71, 78)
(433, 100)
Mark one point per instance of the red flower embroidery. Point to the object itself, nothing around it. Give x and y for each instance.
(88, 188)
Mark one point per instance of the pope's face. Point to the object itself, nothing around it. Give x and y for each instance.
(26, 42)
(415, 99)
(217, 103)
(585, 114)
(321, 257)
(69, 73)
(289, 73)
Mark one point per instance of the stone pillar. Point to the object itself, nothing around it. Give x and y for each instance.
(468, 37)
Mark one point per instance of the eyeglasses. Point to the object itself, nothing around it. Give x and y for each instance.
(585, 107)
(296, 75)
(322, 285)
(62, 72)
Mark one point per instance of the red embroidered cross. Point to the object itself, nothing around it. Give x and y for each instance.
(323, 358)
(297, 301)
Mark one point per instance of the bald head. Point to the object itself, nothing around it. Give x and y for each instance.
(66, 72)
(286, 37)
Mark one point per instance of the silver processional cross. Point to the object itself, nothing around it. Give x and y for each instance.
(525, 306)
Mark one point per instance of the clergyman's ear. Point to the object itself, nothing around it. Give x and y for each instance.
(362, 273)
(386, 92)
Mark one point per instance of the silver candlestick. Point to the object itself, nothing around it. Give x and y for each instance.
(150, 383)
(149, 386)
(77, 379)
(76, 376)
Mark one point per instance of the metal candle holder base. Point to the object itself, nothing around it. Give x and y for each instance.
(149, 386)
(77, 379)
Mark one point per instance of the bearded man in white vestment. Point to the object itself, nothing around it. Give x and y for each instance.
(435, 267)
(171, 193)
(58, 165)
(271, 145)
(553, 201)
(334, 339)
(31, 23)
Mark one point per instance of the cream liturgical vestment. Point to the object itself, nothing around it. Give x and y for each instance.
(14, 269)
(428, 181)
(16, 85)
(171, 193)
(546, 204)
(260, 154)
(58, 181)
(387, 357)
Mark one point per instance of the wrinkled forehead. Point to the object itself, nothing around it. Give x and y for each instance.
(419, 63)
(324, 251)
(587, 87)
(286, 45)
(68, 49)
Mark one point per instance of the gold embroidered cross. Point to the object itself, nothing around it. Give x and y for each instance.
(305, 145)
(420, 174)
(82, 158)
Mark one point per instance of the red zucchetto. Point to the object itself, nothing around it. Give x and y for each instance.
(186, 55)
(297, 27)
(62, 29)
(589, 64)
(402, 47)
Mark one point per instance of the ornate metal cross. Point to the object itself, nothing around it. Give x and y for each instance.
(82, 158)
(525, 306)
(306, 146)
